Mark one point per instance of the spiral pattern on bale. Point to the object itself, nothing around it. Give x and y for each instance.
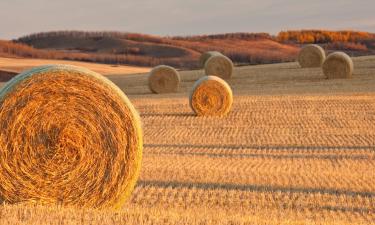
(219, 65)
(163, 79)
(211, 96)
(68, 136)
(338, 65)
(311, 56)
(205, 56)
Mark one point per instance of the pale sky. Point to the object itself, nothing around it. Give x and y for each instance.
(183, 17)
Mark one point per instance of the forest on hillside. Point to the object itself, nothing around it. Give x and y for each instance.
(181, 51)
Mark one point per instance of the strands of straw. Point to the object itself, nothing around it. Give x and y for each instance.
(205, 56)
(338, 65)
(311, 56)
(219, 65)
(164, 79)
(211, 96)
(69, 137)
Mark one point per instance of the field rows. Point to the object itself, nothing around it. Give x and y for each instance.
(295, 149)
(247, 202)
(266, 121)
(325, 175)
(239, 151)
(298, 156)
(274, 80)
(307, 157)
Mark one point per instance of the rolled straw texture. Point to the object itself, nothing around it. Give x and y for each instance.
(205, 56)
(164, 79)
(68, 136)
(219, 65)
(211, 96)
(338, 65)
(311, 56)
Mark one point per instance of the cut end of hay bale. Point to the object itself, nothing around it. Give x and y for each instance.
(311, 56)
(211, 96)
(69, 137)
(338, 65)
(164, 79)
(219, 65)
(205, 56)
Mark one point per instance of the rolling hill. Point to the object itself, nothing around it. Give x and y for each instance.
(13, 66)
(182, 52)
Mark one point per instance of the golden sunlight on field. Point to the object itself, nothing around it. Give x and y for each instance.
(295, 149)
(19, 65)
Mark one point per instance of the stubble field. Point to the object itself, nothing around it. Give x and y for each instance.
(20, 64)
(295, 149)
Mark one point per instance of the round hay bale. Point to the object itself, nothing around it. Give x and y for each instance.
(205, 56)
(338, 65)
(311, 56)
(219, 65)
(69, 136)
(164, 79)
(211, 96)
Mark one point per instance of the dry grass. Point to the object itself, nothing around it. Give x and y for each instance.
(68, 136)
(163, 79)
(211, 96)
(219, 65)
(205, 56)
(311, 56)
(338, 65)
(295, 149)
(19, 65)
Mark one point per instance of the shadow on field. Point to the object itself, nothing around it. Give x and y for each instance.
(266, 156)
(261, 147)
(167, 114)
(255, 188)
(290, 205)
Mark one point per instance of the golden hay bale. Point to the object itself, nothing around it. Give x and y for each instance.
(311, 56)
(205, 56)
(219, 65)
(338, 65)
(164, 79)
(68, 136)
(211, 96)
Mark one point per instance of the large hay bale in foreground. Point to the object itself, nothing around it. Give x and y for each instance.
(211, 96)
(219, 65)
(338, 65)
(205, 56)
(163, 79)
(311, 56)
(68, 136)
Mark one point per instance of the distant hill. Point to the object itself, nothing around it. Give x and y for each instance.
(182, 52)
(355, 43)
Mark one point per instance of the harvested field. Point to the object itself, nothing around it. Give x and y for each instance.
(19, 65)
(296, 148)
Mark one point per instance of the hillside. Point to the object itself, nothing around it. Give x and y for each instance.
(9, 67)
(182, 52)
(295, 149)
(146, 50)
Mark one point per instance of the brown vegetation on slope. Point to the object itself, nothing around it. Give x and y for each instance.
(13, 49)
(182, 52)
(323, 36)
(352, 42)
